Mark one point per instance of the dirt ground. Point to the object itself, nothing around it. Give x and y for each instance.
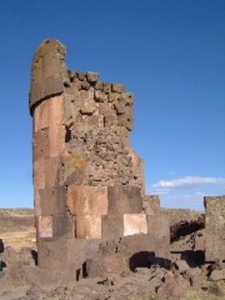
(20, 279)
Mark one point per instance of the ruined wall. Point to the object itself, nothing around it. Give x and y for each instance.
(88, 181)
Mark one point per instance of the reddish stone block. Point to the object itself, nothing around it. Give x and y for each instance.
(88, 227)
(83, 199)
(39, 173)
(41, 144)
(49, 113)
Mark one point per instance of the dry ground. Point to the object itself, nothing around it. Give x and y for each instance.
(17, 230)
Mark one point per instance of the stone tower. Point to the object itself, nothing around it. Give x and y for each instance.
(88, 181)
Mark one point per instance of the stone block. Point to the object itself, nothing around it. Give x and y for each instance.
(158, 224)
(158, 227)
(214, 228)
(95, 120)
(51, 64)
(53, 171)
(151, 204)
(65, 254)
(110, 120)
(105, 109)
(53, 200)
(124, 200)
(57, 134)
(113, 97)
(63, 225)
(92, 77)
(107, 87)
(81, 75)
(129, 245)
(88, 227)
(112, 226)
(44, 226)
(53, 86)
(100, 96)
(48, 113)
(135, 224)
(41, 144)
(87, 200)
(39, 173)
(52, 254)
(36, 94)
(118, 88)
(126, 121)
(102, 266)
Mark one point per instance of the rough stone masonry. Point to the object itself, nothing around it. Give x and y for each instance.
(88, 181)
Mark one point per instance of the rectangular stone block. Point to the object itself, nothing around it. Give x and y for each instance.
(88, 227)
(151, 204)
(124, 200)
(53, 200)
(159, 228)
(63, 225)
(53, 85)
(51, 64)
(87, 200)
(102, 266)
(39, 173)
(53, 171)
(48, 113)
(158, 224)
(52, 253)
(65, 254)
(112, 226)
(214, 228)
(44, 226)
(41, 144)
(135, 224)
(56, 138)
(118, 88)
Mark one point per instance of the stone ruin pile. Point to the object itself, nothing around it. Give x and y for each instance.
(92, 214)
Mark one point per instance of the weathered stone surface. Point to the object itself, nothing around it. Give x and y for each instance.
(88, 181)
(217, 275)
(41, 144)
(101, 266)
(48, 70)
(44, 226)
(151, 204)
(53, 200)
(88, 200)
(118, 88)
(124, 200)
(112, 226)
(88, 227)
(135, 224)
(215, 228)
(92, 77)
(48, 113)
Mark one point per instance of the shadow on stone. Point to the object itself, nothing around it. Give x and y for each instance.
(193, 258)
(141, 259)
(1, 246)
(35, 256)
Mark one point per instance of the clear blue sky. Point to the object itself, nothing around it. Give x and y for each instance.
(169, 53)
